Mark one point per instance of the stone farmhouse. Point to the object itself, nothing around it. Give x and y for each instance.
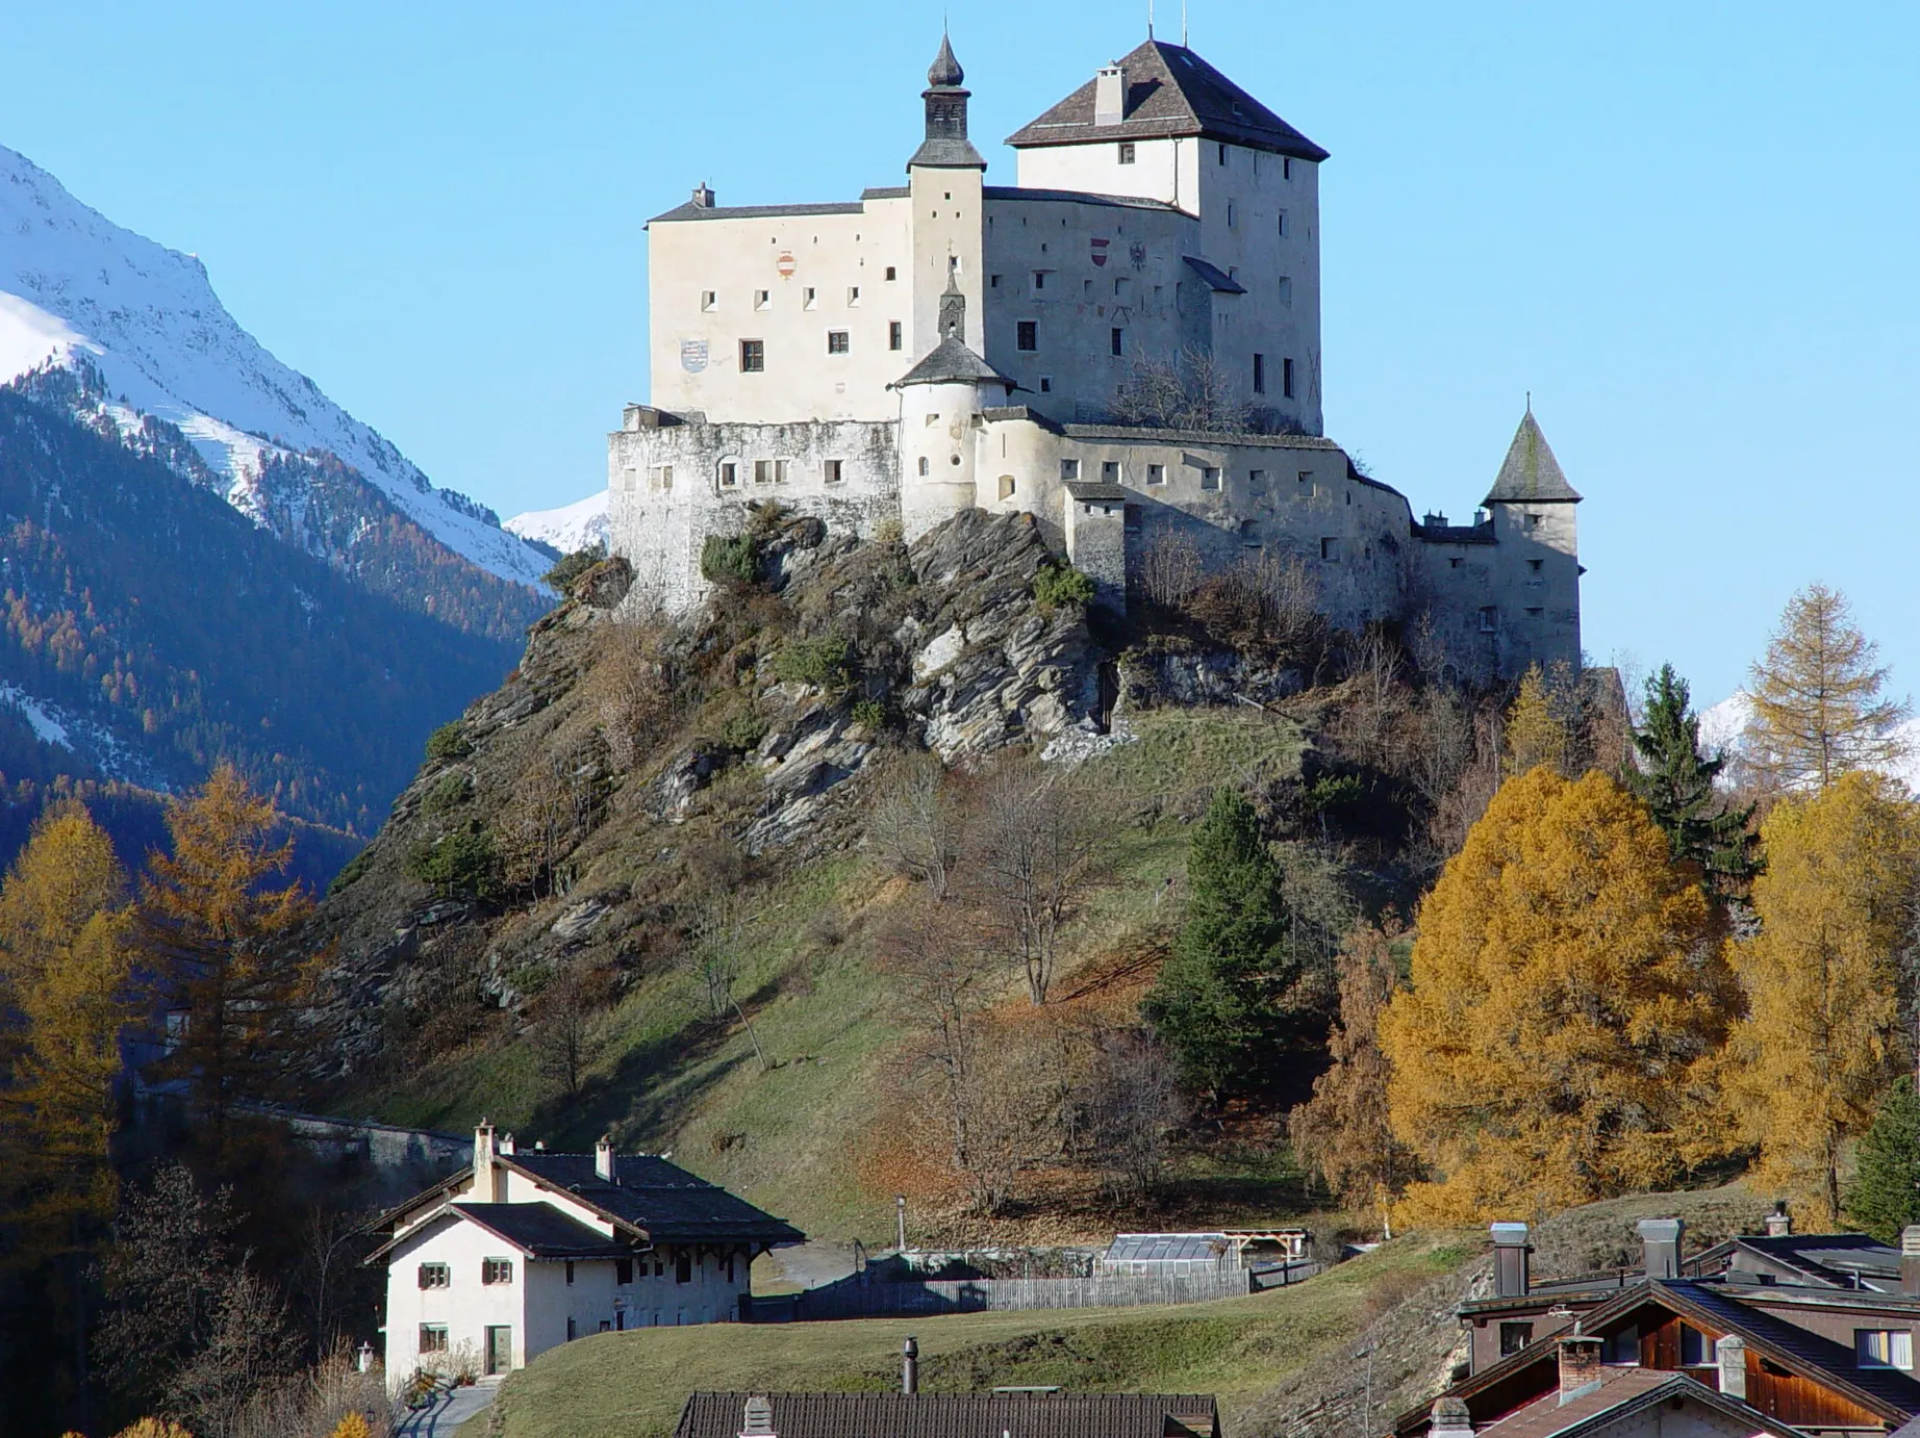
(527, 1250)
(947, 344)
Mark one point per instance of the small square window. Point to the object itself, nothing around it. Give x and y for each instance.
(1286, 290)
(853, 294)
(496, 1270)
(780, 471)
(1209, 477)
(753, 356)
(1027, 335)
(433, 1338)
(1046, 384)
(1286, 376)
(1330, 550)
(1534, 565)
(896, 338)
(1533, 521)
(891, 273)
(1453, 562)
(1109, 471)
(834, 472)
(1489, 619)
(836, 342)
(1007, 486)
(435, 1275)
(993, 282)
(1535, 613)
(1256, 481)
(1127, 152)
(763, 299)
(622, 1271)
(763, 471)
(1514, 1337)
(1069, 469)
(709, 302)
(1122, 288)
(1039, 279)
(810, 298)
(1156, 474)
(1305, 476)
(1119, 340)
(729, 474)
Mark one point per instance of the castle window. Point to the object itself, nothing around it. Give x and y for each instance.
(1119, 340)
(1209, 477)
(709, 302)
(435, 1275)
(1027, 335)
(926, 465)
(661, 478)
(1086, 289)
(1489, 619)
(993, 282)
(1232, 215)
(1223, 154)
(1159, 294)
(1122, 288)
(853, 294)
(569, 1270)
(780, 471)
(1046, 384)
(891, 273)
(1330, 550)
(1286, 290)
(433, 1338)
(810, 298)
(1109, 471)
(1007, 486)
(1156, 474)
(763, 471)
(1453, 562)
(1305, 476)
(496, 1270)
(753, 356)
(1040, 278)
(1259, 374)
(1069, 469)
(1131, 518)
(895, 337)
(1286, 167)
(834, 474)
(1281, 221)
(1534, 565)
(683, 1268)
(622, 1271)
(573, 1327)
(763, 299)
(729, 474)
(1534, 613)
(1127, 152)
(1286, 376)
(836, 342)
(1256, 481)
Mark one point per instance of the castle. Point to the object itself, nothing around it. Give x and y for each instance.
(949, 344)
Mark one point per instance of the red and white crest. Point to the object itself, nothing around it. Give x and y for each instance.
(1099, 249)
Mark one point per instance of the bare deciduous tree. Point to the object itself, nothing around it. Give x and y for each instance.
(1192, 392)
(1170, 569)
(915, 822)
(568, 1044)
(713, 961)
(1132, 1101)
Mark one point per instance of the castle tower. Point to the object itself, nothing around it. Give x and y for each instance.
(1538, 589)
(945, 183)
(940, 400)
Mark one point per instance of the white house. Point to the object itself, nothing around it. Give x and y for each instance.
(523, 1251)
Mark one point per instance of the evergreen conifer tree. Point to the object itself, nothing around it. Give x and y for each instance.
(1885, 1196)
(1221, 1001)
(1675, 781)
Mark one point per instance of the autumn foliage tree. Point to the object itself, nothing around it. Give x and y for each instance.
(1536, 732)
(1820, 1040)
(1553, 1046)
(209, 921)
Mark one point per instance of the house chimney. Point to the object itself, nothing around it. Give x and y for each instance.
(1731, 1354)
(1510, 1250)
(1910, 1260)
(1660, 1241)
(603, 1158)
(1451, 1419)
(1110, 95)
(1579, 1365)
(910, 1367)
(1780, 1222)
(702, 196)
(486, 1177)
(505, 1147)
(757, 1421)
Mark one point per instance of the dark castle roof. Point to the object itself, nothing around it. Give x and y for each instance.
(956, 1415)
(951, 362)
(1530, 472)
(1170, 92)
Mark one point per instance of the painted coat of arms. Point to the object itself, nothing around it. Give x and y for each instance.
(1099, 244)
(693, 355)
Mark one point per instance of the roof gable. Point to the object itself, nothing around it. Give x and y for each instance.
(1171, 92)
(656, 1198)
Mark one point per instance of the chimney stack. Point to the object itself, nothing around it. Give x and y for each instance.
(703, 196)
(1510, 1250)
(603, 1158)
(505, 1146)
(1451, 1419)
(910, 1368)
(1110, 95)
(1910, 1260)
(1731, 1354)
(1660, 1241)
(1580, 1370)
(1780, 1222)
(757, 1421)
(486, 1177)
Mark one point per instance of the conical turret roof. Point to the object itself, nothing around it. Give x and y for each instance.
(1530, 472)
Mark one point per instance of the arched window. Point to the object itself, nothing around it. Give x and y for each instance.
(926, 466)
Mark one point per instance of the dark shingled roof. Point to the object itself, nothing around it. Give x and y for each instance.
(1085, 490)
(1530, 472)
(1620, 1394)
(1822, 1258)
(958, 1415)
(951, 361)
(691, 211)
(541, 1230)
(1215, 277)
(1171, 92)
(666, 1203)
(1076, 197)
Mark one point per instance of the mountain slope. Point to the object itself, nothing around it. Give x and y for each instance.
(1723, 727)
(74, 286)
(570, 528)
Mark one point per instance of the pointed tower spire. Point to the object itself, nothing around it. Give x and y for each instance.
(946, 143)
(1530, 472)
(945, 71)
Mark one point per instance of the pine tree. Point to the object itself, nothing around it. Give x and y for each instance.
(1676, 783)
(208, 921)
(1554, 1045)
(1885, 1196)
(1221, 1001)
(1817, 707)
(1536, 735)
(1819, 1042)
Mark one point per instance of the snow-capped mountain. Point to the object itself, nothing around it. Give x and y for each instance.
(572, 527)
(1723, 728)
(78, 291)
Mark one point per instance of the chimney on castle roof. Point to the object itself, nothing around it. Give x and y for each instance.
(1110, 94)
(703, 196)
(603, 1158)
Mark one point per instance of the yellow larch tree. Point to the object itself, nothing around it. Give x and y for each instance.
(1818, 709)
(1820, 1041)
(1564, 1010)
(1535, 734)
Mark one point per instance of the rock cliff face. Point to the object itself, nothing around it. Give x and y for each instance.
(577, 794)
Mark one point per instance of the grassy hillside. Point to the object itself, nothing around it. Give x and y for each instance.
(632, 1385)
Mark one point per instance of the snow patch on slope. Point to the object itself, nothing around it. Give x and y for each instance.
(61, 727)
(569, 528)
(75, 286)
(1723, 729)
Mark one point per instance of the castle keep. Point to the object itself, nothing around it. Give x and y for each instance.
(948, 344)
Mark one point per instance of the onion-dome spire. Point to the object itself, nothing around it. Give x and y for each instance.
(946, 70)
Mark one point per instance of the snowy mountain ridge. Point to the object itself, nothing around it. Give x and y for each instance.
(1723, 729)
(572, 527)
(80, 292)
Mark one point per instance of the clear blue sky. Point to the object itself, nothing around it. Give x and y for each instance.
(1692, 230)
